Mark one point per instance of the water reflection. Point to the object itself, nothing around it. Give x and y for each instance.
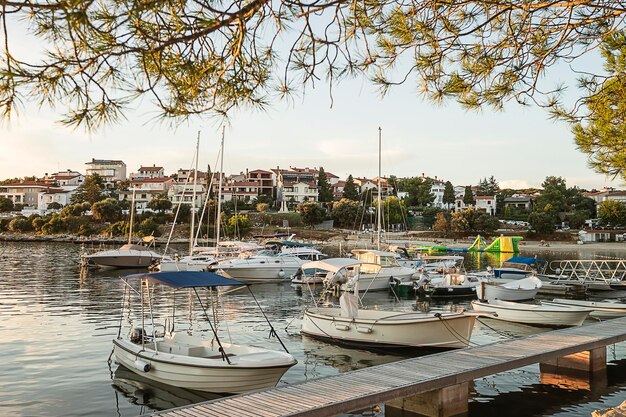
(58, 324)
(152, 395)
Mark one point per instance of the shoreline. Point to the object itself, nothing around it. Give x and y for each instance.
(337, 240)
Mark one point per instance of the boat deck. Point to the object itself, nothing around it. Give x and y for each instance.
(379, 384)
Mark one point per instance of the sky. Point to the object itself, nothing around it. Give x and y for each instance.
(519, 146)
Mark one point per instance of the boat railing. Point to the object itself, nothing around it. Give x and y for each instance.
(582, 270)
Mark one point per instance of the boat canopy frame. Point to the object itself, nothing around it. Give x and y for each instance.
(191, 280)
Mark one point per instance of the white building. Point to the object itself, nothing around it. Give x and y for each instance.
(483, 202)
(25, 193)
(146, 190)
(148, 172)
(299, 192)
(111, 171)
(53, 195)
(68, 180)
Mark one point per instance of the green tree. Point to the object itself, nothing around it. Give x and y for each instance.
(311, 212)
(468, 197)
(418, 190)
(54, 225)
(350, 190)
(6, 205)
(20, 224)
(54, 206)
(91, 190)
(77, 209)
(448, 195)
(612, 213)
(553, 197)
(487, 186)
(473, 220)
(159, 204)
(324, 192)
(106, 210)
(347, 213)
(148, 227)
(100, 58)
(542, 221)
(120, 228)
(394, 211)
(238, 225)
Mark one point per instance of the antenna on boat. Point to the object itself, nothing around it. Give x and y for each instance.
(132, 217)
(219, 195)
(193, 197)
(378, 211)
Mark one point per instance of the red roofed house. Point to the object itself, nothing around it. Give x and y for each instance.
(148, 172)
(68, 180)
(24, 192)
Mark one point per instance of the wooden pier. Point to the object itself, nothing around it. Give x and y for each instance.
(434, 385)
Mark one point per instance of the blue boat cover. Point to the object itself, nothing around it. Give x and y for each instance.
(527, 261)
(187, 279)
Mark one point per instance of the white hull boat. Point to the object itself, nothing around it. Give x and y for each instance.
(517, 290)
(352, 325)
(187, 263)
(127, 256)
(260, 269)
(190, 361)
(378, 270)
(535, 314)
(389, 328)
(601, 310)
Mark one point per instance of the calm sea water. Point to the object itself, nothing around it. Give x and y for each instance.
(57, 325)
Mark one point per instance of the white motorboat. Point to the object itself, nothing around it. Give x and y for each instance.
(516, 290)
(130, 255)
(265, 266)
(203, 258)
(352, 325)
(192, 362)
(602, 310)
(378, 270)
(139, 255)
(535, 314)
(449, 285)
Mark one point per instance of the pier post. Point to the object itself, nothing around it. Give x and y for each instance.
(445, 402)
(577, 371)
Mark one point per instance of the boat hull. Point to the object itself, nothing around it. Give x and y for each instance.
(259, 274)
(215, 376)
(392, 329)
(516, 290)
(601, 310)
(495, 292)
(122, 259)
(531, 314)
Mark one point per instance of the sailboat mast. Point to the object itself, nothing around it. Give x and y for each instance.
(219, 194)
(378, 210)
(132, 218)
(193, 198)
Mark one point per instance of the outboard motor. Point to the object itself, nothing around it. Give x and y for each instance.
(137, 335)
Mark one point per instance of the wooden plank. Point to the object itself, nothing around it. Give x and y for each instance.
(243, 407)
